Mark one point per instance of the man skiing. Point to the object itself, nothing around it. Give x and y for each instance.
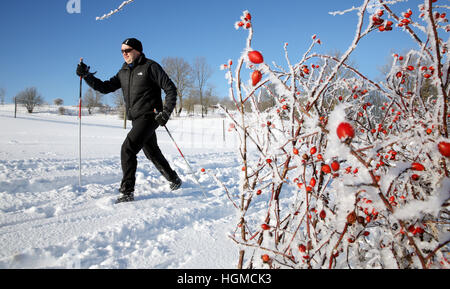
(141, 80)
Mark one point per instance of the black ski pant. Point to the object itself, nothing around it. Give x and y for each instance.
(142, 136)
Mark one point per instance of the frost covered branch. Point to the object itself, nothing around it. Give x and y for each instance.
(112, 12)
(340, 171)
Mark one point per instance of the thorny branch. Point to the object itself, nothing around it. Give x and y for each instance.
(310, 179)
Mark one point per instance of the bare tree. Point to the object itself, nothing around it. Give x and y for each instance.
(119, 103)
(30, 98)
(210, 99)
(201, 73)
(180, 71)
(191, 99)
(92, 99)
(227, 103)
(58, 101)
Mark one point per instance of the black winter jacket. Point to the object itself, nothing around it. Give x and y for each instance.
(141, 85)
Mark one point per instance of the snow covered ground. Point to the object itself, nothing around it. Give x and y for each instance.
(48, 221)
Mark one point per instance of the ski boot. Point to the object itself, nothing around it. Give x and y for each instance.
(124, 198)
(175, 184)
(127, 194)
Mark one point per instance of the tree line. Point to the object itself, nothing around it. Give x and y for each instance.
(194, 89)
(191, 79)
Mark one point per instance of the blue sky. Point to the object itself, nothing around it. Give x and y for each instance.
(42, 42)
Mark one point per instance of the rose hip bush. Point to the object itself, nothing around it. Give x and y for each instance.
(342, 171)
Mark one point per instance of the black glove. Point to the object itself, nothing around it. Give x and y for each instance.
(83, 70)
(162, 118)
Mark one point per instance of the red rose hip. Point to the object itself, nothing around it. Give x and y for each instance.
(345, 131)
(255, 57)
(256, 77)
(444, 148)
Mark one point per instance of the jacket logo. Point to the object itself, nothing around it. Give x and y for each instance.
(140, 74)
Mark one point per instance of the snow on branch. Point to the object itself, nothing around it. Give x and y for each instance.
(372, 7)
(336, 170)
(343, 12)
(112, 12)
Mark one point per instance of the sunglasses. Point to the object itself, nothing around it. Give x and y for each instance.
(127, 50)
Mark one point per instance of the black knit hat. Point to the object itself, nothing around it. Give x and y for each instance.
(133, 42)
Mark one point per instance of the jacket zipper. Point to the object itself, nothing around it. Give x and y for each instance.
(129, 90)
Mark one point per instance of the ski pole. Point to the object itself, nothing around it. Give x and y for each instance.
(79, 128)
(190, 168)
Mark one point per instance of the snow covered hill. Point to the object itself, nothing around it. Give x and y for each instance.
(48, 221)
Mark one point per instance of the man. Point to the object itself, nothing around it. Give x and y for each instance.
(141, 80)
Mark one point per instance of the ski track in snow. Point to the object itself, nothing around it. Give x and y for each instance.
(48, 222)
